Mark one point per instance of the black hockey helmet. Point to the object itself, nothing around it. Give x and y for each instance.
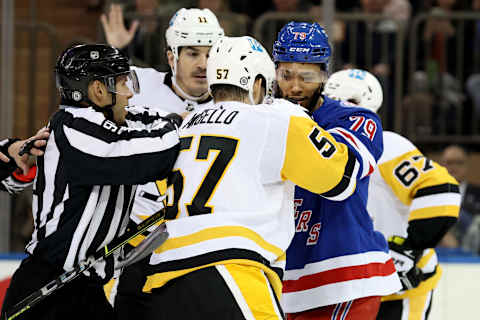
(79, 65)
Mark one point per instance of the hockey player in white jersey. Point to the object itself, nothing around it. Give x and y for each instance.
(189, 37)
(413, 202)
(230, 195)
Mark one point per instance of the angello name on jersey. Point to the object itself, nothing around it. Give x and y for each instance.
(212, 116)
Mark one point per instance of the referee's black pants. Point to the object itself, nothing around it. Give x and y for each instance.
(78, 299)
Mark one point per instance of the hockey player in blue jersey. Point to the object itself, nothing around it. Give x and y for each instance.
(337, 265)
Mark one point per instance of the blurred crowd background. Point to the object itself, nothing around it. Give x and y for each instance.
(426, 54)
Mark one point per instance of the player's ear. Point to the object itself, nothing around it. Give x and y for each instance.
(170, 59)
(258, 90)
(97, 92)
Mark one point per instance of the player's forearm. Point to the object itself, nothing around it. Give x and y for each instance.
(427, 233)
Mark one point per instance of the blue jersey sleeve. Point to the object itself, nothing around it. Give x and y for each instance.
(358, 128)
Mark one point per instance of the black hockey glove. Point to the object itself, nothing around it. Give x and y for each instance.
(405, 260)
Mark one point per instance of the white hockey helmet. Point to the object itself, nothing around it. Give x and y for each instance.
(357, 86)
(237, 61)
(192, 27)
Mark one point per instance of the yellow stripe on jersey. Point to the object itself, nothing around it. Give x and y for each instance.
(161, 186)
(434, 212)
(418, 307)
(217, 233)
(108, 289)
(411, 171)
(425, 259)
(314, 160)
(283, 257)
(158, 280)
(252, 288)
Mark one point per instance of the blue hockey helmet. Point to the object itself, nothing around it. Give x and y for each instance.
(302, 42)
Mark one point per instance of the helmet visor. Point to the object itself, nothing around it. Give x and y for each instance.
(132, 82)
(302, 74)
(124, 83)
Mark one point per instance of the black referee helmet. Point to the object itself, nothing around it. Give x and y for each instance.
(79, 65)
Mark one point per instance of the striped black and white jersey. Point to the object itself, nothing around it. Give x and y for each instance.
(86, 180)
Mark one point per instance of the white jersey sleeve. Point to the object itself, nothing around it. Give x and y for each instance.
(409, 186)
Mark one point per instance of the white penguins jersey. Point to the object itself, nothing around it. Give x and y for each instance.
(230, 195)
(156, 93)
(407, 188)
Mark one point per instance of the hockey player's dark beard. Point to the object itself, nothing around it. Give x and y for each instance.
(279, 94)
(316, 96)
(313, 101)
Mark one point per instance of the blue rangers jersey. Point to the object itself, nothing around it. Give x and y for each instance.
(336, 255)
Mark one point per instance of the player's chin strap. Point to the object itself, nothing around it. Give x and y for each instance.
(250, 97)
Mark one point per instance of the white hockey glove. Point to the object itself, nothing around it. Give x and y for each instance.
(405, 260)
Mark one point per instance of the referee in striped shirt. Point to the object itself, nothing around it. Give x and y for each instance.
(97, 152)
